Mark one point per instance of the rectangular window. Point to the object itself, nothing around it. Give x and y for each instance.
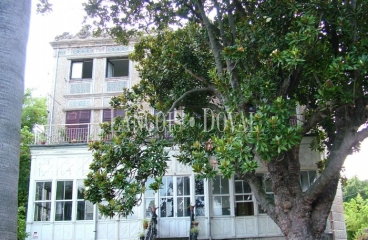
(81, 69)
(166, 197)
(244, 205)
(266, 183)
(183, 196)
(199, 198)
(43, 201)
(149, 198)
(84, 207)
(109, 114)
(78, 124)
(307, 178)
(117, 68)
(220, 196)
(64, 203)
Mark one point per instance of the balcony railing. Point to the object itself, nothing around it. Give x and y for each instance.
(67, 133)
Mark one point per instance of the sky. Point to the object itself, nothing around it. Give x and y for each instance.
(67, 16)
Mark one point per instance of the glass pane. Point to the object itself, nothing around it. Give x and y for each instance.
(216, 183)
(247, 188)
(244, 209)
(60, 190)
(150, 202)
(87, 69)
(180, 186)
(304, 180)
(89, 210)
(63, 211)
(238, 186)
(225, 205)
(59, 211)
(166, 207)
(312, 177)
(167, 187)
(80, 192)
(68, 211)
(68, 190)
(149, 193)
(199, 187)
(186, 186)
(43, 191)
(42, 211)
(268, 185)
(224, 186)
(183, 204)
(77, 69)
(217, 206)
(80, 210)
(199, 206)
(239, 198)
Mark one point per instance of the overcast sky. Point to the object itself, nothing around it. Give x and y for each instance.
(67, 16)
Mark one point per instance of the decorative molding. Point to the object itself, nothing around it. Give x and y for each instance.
(118, 49)
(76, 88)
(79, 103)
(63, 36)
(62, 52)
(116, 86)
(82, 51)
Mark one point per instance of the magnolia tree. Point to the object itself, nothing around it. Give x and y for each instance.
(238, 69)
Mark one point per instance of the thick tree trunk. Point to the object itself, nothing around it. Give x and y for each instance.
(14, 25)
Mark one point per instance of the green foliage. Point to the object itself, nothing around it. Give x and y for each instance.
(238, 71)
(356, 216)
(353, 187)
(34, 110)
(122, 165)
(22, 221)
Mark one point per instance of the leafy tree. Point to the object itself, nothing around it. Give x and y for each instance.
(239, 57)
(353, 187)
(14, 29)
(356, 216)
(34, 110)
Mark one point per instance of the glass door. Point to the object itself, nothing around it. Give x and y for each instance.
(174, 207)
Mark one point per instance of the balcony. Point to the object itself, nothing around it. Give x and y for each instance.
(66, 133)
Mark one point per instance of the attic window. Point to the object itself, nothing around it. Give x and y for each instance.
(81, 69)
(117, 68)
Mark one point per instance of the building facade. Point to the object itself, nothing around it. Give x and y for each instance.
(88, 72)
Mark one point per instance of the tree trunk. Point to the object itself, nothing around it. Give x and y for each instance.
(14, 27)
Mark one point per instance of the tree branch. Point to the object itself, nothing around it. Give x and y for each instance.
(261, 196)
(199, 78)
(335, 161)
(187, 93)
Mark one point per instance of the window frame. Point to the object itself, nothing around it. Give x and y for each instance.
(37, 202)
(81, 78)
(107, 71)
(243, 194)
(221, 195)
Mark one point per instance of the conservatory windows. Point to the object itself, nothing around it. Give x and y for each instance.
(244, 205)
(84, 207)
(220, 196)
(149, 198)
(199, 198)
(65, 204)
(43, 201)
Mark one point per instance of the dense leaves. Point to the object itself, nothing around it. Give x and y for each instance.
(356, 216)
(256, 61)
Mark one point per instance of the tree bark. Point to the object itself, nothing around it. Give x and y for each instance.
(14, 27)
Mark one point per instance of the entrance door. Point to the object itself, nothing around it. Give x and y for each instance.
(174, 203)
